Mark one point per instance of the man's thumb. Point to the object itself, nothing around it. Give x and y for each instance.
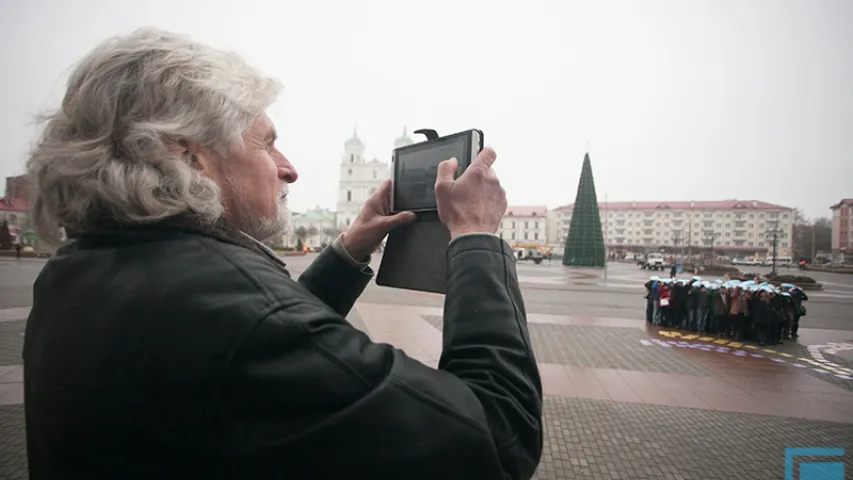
(446, 170)
(400, 219)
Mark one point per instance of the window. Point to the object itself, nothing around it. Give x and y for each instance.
(349, 199)
(728, 225)
(525, 225)
(513, 226)
(536, 236)
(374, 174)
(536, 225)
(525, 235)
(349, 172)
(351, 158)
(348, 222)
(751, 215)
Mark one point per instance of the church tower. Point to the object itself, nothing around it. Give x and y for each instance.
(403, 140)
(359, 178)
(353, 150)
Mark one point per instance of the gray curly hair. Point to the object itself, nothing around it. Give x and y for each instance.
(107, 151)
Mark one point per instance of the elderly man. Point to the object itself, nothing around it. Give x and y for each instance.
(165, 341)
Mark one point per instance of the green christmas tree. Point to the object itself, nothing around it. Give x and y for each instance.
(585, 243)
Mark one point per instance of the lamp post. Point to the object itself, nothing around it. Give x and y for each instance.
(774, 232)
(676, 237)
(711, 237)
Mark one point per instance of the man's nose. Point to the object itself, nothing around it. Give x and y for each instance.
(286, 171)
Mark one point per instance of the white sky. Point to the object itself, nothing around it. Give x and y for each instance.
(679, 99)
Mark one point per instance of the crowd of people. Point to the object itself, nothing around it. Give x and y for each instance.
(741, 310)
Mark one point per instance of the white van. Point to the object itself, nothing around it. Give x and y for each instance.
(780, 261)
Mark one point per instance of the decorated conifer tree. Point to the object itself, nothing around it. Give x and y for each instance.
(585, 242)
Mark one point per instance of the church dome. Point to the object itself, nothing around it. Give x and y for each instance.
(354, 142)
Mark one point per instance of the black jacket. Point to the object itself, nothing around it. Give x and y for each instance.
(170, 353)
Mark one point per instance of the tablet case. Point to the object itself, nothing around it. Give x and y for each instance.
(415, 256)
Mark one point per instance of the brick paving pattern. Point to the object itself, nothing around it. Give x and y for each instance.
(608, 440)
(13, 447)
(601, 347)
(12, 342)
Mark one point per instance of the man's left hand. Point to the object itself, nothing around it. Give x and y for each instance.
(373, 223)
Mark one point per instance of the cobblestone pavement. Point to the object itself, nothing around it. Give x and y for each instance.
(608, 440)
(13, 448)
(581, 345)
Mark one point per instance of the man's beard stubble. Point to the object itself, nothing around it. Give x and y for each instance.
(257, 226)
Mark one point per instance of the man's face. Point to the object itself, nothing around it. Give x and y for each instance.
(254, 182)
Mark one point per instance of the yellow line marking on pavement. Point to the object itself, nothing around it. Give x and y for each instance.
(706, 339)
(783, 354)
(769, 351)
(721, 341)
(690, 337)
(735, 344)
(751, 347)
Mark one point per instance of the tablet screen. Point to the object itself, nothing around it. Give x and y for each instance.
(416, 169)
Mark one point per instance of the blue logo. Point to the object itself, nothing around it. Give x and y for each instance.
(816, 470)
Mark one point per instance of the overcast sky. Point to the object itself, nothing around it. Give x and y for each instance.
(678, 99)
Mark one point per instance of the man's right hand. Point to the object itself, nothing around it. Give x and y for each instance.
(476, 202)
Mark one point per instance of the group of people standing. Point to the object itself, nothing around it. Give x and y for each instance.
(733, 309)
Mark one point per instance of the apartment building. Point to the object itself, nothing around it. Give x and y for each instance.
(842, 240)
(522, 224)
(736, 228)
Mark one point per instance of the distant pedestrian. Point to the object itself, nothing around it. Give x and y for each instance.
(672, 272)
(18, 249)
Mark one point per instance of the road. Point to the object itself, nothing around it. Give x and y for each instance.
(549, 288)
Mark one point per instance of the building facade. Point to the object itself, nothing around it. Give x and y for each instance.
(316, 228)
(525, 225)
(735, 228)
(359, 178)
(842, 241)
(14, 209)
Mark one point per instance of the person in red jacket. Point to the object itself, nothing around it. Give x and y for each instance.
(666, 304)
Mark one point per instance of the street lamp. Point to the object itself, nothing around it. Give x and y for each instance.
(710, 238)
(774, 232)
(676, 237)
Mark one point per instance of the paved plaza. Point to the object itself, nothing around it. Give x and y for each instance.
(624, 400)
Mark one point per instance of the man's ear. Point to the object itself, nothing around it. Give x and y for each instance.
(197, 157)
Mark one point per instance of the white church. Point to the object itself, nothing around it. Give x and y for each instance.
(359, 178)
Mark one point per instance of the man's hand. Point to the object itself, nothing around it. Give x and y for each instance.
(476, 202)
(373, 223)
